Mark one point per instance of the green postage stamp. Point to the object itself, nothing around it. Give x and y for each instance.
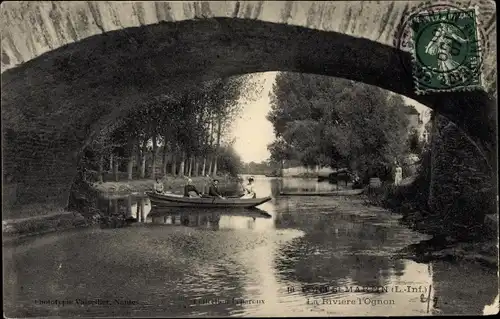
(446, 51)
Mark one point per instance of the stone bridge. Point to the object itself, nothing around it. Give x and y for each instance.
(69, 68)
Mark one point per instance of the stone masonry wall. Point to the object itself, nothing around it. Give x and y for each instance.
(461, 189)
(40, 169)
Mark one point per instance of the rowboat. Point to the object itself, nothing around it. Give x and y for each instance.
(174, 200)
(348, 192)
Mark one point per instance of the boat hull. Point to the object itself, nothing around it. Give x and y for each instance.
(172, 200)
(349, 192)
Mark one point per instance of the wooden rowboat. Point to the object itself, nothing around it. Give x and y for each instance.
(348, 192)
(174, 200)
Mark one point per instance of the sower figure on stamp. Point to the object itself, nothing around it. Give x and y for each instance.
(443, 46)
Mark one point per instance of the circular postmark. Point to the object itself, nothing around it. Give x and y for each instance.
(442, 47)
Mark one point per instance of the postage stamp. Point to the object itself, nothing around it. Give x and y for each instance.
(446, 50)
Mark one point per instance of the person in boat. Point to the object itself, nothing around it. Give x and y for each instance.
(190, 190)
(159, 188)
(213, 191)
(249, 190)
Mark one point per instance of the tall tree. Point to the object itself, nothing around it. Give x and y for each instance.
(188, 126)
(335, 122)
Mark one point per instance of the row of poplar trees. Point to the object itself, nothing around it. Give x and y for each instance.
(184, 132)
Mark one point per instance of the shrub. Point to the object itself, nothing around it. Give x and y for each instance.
(410, 200)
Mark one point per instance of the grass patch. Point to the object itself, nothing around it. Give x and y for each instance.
(31, 211)
(34, 226)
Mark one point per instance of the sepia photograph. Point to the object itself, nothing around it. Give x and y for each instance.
(249, 158)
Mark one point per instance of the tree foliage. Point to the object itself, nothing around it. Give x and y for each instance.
(191, 124)
(415, 145)
(229, 160)
(339, 123)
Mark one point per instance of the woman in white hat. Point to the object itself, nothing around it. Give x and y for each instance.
(249, 190)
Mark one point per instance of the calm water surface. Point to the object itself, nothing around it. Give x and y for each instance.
(303, 256)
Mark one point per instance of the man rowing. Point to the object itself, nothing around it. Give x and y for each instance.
(213, 191)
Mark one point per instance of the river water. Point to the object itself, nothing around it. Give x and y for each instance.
(295, 256)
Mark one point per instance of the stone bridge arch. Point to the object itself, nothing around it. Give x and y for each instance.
(68, 68)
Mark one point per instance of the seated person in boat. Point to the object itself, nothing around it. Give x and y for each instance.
(249, 190)
(158, 186)
(214, 189)
(190, 190)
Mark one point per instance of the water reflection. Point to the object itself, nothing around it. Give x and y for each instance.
(272, 261)
(140, 208)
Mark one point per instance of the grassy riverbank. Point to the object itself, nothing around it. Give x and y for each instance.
(31, 211)
(37, 219)
(174, 184)
(59, 220)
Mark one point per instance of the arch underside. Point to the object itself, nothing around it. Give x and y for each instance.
(53, 104)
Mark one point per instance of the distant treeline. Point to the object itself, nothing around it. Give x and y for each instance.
(268, 167)
(261, 168)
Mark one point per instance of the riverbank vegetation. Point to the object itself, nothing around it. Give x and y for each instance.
(456, 214)
(469, 193)
(37, 224)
